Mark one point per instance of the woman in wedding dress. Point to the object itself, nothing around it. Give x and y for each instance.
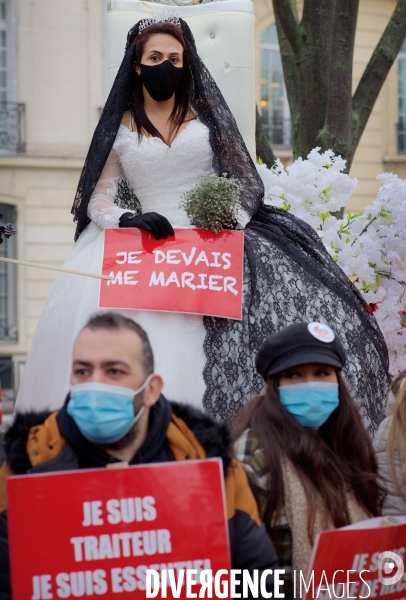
(164, 126)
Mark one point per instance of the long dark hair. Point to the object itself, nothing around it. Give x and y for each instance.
(183, 93)
(339, 456)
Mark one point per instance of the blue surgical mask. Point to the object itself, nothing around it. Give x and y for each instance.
(104, 413)
(310, 403)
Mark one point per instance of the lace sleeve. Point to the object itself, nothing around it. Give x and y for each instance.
(242, 217)
(101, 209)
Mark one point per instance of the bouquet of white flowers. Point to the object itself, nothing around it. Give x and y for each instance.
(212, 202)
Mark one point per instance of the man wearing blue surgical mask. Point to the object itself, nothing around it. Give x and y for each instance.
(115, 412)
(113, 387)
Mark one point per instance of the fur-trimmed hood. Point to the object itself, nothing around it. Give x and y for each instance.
(214, 437)
(15, 439)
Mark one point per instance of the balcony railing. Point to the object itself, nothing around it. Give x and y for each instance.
(401, 138)
(12, 128)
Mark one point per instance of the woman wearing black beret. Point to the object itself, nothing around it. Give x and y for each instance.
(302, 443)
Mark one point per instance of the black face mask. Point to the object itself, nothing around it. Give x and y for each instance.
(161, 80)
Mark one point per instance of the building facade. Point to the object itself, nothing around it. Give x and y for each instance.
(51, 91)
(52, 87)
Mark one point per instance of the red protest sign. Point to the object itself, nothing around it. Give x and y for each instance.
(364, 560)
(96, 532)
(194, 271)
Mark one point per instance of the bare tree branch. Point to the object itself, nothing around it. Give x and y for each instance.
(284, 12)
(337, 128)
(316, 29)
(377, 70)
(311, 73)
(306, 73)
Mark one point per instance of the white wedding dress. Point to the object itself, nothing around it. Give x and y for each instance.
(159, 175)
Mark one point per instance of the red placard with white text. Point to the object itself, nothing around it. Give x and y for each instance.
(95, 532)
(363, 560)
(193, 271)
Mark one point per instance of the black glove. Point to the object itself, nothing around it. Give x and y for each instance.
(157, 224)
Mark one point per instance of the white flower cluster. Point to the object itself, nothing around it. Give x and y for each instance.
(370, 247)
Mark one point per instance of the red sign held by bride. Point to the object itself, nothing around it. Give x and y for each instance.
(193, 271)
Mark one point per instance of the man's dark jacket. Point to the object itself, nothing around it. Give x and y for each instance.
(43, 443)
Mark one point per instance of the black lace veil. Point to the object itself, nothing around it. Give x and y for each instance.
(230, 154)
